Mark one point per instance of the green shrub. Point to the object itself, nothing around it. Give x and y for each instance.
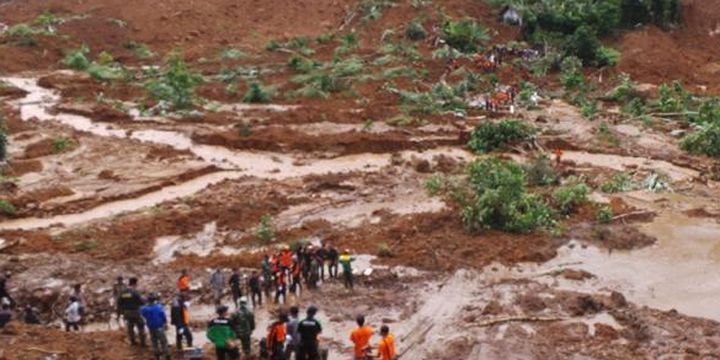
(23, 34)
(571, 76)
(608, 56)
(105, 58)
(7, 208)
(141, 50)
(620, 182)
(62, 144)
(77, 59)
(540, 171)
(265, 231)
(490, 136)
(705, 141)
(415, 31)
(175, 85)
(257, 93)
(604, 215)
(500, 200)
(302, 64)
(567, 198)
(105, 72)
(325, 38)
(464, 35)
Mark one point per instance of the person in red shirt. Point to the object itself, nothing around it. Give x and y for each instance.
(276, 338)
(386, 346)
(361, 339)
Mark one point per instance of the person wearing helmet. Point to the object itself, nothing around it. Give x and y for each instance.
(243, 323)
(221, 334)
(346, 262)
(154, 316)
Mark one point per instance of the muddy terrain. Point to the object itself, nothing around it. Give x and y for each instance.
(306, 113)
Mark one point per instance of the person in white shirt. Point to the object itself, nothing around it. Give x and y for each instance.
(72, 315)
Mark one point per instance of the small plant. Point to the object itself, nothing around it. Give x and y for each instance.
(604, 215)
(571, 76)
(464, 35)
(368, 124)
(245, 129)
(383, 250)
(415, 31)
(62, 144)
(77, 59)
(705, 141)
(569, 197)
(265, 231)
(105, 72)
(105, 58)
(86, 245)
(348, 42)
(325, 38)
(23, 34)
(232, 54)
(257, 93)
(490, 136)
(620, 182)
(142, 51)
(540, 172)
(175, 84)
(302, 64)
(7, 208)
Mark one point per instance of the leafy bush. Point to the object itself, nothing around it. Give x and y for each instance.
(257, 93)
(77, 59)
(604, 215)
(705, 141)
(500, 200)
(489, 136)
(176, 84)
(415, 31)
(7, 208)
(569, 197)
(571, 76)
(105, 72)
(62, 144)
(540, 172)
(23, 34)
(141, 50)
(608, 56)
(464, 35)
(302, 64)
(620, 182)
(265, 231)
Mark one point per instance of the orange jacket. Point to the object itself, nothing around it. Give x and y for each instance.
(276, 335)
(386, 348)
(361, 338)
(184, 282)
(286, 258)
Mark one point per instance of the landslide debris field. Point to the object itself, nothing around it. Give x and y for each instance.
(544, 188)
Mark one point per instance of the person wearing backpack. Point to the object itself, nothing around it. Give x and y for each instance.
(277, 332)
(243, 323)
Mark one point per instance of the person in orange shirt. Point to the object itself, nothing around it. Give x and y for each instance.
(386, 347)
(183, 283)
(276, 338)
(361, 338)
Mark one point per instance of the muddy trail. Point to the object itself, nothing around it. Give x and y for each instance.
(356, 121)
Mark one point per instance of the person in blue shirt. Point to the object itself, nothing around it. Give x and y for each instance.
(156, 321)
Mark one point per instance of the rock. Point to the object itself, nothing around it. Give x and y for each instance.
(606, 332)
(576, 275)
(678, 133)
(422, 165)
(492, 308)
(617, 299)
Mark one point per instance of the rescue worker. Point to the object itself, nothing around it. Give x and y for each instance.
(217, 284)
(309, 329)
(280, 287)
(266, 267)
(386, 346)
(292, 331)
(180, 318)
(346, 262)
(333, 256)
(117, 289)
(360, 337)
(235, 287)
(322, 258)
(254, 284)
(243, 323)
(73, 315)
(183, 283)
(156, 321)
(130, 303)
(221, 334)
(296, 284)
(276, 338)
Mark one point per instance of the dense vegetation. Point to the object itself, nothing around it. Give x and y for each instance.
(489, 136)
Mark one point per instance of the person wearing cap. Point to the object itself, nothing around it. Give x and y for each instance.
(309, 329)
(243, 324)
(180, 318)
(346, 262)
(156, 321)
(222, 335)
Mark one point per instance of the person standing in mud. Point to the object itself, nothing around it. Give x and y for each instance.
(77, 292)
(254, 284)
(308, 330)
(235, 287)
(217, 284)
(180, 318)
(346, 262)
(183, 283)
(31, 316)
(221, 334)
(360, 338)
(243, 323)
(321, 255)
(117, 289)
(266, 268)
(154, 316)
(4, 293)
(280, 287)
(73, 314)
(333, 256)
(293, 343)
(277, 332)
(130, 303)
(386, 346)
(6, 313)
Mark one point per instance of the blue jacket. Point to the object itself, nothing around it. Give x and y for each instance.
(154, 315)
